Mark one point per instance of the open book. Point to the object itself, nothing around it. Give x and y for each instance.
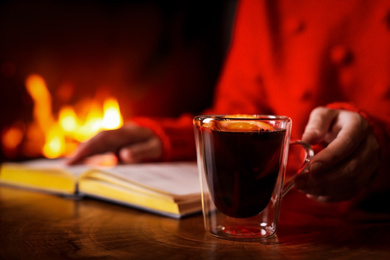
(171, 189)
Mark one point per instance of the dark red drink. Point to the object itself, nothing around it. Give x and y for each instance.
(242, 169)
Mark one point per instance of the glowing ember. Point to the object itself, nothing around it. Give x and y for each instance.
(11, 138)
(56, 137)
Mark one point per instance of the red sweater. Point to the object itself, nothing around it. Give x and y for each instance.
(288, 57)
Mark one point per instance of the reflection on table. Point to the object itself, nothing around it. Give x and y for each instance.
(42, 226)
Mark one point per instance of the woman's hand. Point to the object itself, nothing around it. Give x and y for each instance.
(131, 143)
(347, 163)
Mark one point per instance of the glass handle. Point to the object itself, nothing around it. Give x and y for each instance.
(304, 167)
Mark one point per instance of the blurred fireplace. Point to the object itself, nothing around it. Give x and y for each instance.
(156, 58)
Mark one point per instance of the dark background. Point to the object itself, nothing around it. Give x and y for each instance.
(158, 58)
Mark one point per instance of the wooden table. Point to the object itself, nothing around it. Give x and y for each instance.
(41, 226)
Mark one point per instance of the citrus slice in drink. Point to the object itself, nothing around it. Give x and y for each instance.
(239, 125)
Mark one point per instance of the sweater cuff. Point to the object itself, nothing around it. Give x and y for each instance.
(159, 132)
(176, 136)
(349, 107)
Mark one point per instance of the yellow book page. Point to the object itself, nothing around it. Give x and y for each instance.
(177, 180)
(46, 175)
(102, 176)
(110, 192)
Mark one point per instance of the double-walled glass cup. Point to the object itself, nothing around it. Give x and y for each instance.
(242, 163)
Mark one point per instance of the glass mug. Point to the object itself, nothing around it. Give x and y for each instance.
(242, 163)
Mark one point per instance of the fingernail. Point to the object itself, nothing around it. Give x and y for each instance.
(315, 167)
(310, 196)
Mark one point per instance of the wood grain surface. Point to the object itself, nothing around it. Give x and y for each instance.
(41, 226)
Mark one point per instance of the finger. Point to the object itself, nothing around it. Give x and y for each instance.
(319, 123)
(350, 129)
(108, 141)
(139, 152)
(100, 143)
(347, 179)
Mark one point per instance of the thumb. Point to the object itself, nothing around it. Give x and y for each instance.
(320, 121)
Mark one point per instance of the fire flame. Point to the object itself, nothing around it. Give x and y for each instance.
(60, 135)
